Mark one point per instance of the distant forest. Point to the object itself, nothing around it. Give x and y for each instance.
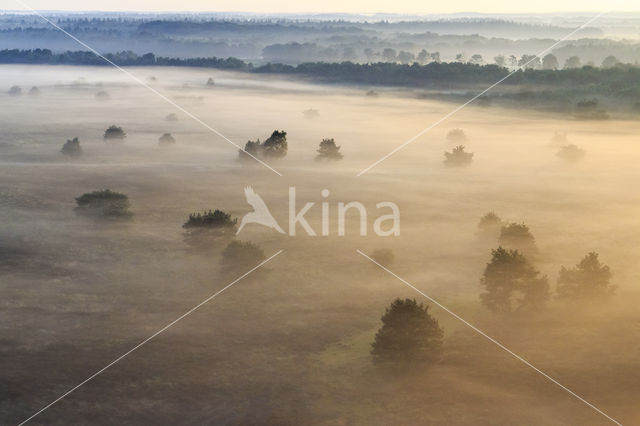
(620, 80)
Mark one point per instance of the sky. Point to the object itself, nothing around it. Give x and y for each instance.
(351, 6)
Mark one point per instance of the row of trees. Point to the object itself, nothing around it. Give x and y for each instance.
(113, 133)
(276, 146)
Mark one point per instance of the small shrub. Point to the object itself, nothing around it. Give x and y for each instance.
(166, 140)
(102, 96)
(114, 133)
(34, 91)
(458, 157)
(240, 257)
(383, 256)
(104, 203)
(72, 148)
(210, 82)
(212, 219)
(311, 113)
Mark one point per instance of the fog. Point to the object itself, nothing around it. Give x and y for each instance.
(291, 344)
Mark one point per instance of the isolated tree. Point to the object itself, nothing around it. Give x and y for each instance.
(409, 335)
(166, 139)
(34, 91)
(383, 256)
(476, 59)
(210, 82)
(550, 62)
(511, 283)
(458, 157)
(114, 133)
(457, 136)
(571, 153)
(610, 62)
(240, 256)
(518, 236)
(589, 279)
(490, 225)
(15, 91)
(572, 62)
(72, 148)
(275, 145)
(103, 203)
(328, 150)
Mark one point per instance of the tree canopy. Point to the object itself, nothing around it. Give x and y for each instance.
(328, 150)
(589, 279)
(409, 334)
(512, 283)
(72, 148)
(114, 132)
(104, 203)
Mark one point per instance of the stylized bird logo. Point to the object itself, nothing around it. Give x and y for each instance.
(260, 213)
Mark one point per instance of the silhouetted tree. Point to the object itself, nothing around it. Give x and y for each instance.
(166, 140)
(500, 60)
(210, 82)
(589, 279)
(529, 62)
(405, 57)
(240, 256)
(72, 148)
(383, 256)
(518, 236)
(409, 335)
(458, 157)
(328, 150)
(389, 55)
(275, 145)
(34, 91)
(423, 57)
(511, 283)
(212, 220)
(114, 133)
(104, 203)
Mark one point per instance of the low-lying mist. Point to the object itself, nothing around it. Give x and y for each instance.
(291, 344)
